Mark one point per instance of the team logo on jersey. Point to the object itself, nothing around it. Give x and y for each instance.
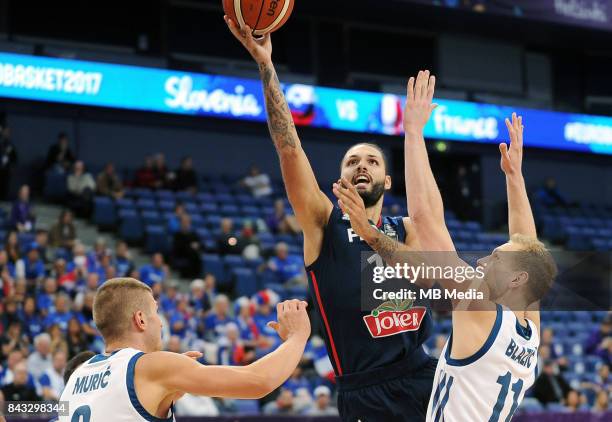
(394, 317)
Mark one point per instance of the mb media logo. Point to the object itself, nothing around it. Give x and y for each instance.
(394, 317)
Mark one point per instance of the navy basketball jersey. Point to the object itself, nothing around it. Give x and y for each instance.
(356, 340)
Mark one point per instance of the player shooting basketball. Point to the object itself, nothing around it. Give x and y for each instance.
(379, 378)
(135, 381)
(490, 359)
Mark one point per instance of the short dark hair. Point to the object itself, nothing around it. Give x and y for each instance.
(372, 145)
(75, 362)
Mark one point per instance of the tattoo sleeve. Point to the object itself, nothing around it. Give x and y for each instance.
(280, 121)
(389, 249)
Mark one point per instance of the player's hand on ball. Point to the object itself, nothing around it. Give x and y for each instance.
(512, 158)
(419, 101)
(352, 204)
(292, 319)
(260, 48)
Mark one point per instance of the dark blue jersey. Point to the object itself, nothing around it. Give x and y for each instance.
(358, 341)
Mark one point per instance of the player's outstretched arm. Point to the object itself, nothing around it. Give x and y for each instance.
(520, 216)
(311, 206)
(173, 373)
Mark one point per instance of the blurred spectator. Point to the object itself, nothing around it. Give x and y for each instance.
(62, 313)
(8, 159)
(197, 291)
(7, 373)
(216, 322)
(31, 318)
(46, 299)
(289, 268)
(232, 350)
(33, 265)
(283, 405)
(258, 183)
(76, 339)
(248, 241)
(210, 291)
(550, 386)
(322, 405)
(109, 183)
(123, 260)
(19, 390)
(280, 221)
(10, 314)
(42, 240)
(244, 319)
(81, 189)
(227, 241)
(296, 381)
(52, 380)
(22, 217)
(600, 341)
(179, 317)
(59, 156)
(12, 250)
(63, 233)
(190, 405)
(174, 345)
(145, 176)
(160, 172)
(174, 222)
(41, 359)
(186, 250)
(602, 402)
(13, 340)
(575, 401)
(549, 195)
(186, 176)
(155, 272)
(168, 298)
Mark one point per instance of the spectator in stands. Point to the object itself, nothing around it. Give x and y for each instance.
(10, 314)
(40, 360)
(244, 320)
(178, 318)
(13, 253)
(42, 240)
(174, 222)
(596, 341)
(32, 321)
(19, 390)
(13, 340)
(109, 183)
(232, 351)
(22, 217)
(63, 233)
(8, 160)
(289, 268)
(160, 171)
(62, 313)
(33, 265)
(258, 183)
(77, 340)
(197, 292)
(6, 279)
(550, 386)
(283, 405)
(210, 291)
(280, 221)
(7, 372)
(216, 322)
(296, 381)
(52, 380)
(190, 405)
(123, 260)
(81, 188)
(602, 402)
(168, 297)
(59, 156)
(322, 405)
(575, 401)
(145, 175)
(186, 250)
(248, 241)
(549, 195)
(186, 176)
(227, 241)
(155, 272)
(58, 338)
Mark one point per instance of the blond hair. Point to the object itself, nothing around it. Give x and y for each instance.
(115, 303)
(538, 262)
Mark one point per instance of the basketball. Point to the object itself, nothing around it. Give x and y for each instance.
(263, 16)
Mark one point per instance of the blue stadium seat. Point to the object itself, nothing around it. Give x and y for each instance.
(212, 264)
(197, 221)
(191, 207)
(55, 186)
(213, 222)
(229, 210)
(126, 203)
(246, 200)
(152, 218)
(247, 407)
(233, 261)
(165, 195)
(131, 228)
(105, 213)
(157, 239)
(185, 196)
(2, 236)
(205, 197)
(166, 205)
(209, 208)
(245, 282)
(143, 193)
(24, 239)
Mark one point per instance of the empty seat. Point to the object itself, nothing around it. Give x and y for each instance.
(245, 282)
(105, 214)
(212, 263)
(157, 239)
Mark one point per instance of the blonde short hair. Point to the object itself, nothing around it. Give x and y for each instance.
(538, 262)
(115, 303)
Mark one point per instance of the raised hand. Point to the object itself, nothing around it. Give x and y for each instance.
(419, 101)
(352, 204)
(292, 320)
(260, 48)
(512, 158)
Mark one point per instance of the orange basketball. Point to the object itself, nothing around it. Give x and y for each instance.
(262, 16)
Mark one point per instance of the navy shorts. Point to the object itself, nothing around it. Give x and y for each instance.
(396, 393)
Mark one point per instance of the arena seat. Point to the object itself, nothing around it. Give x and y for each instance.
(104, 212)
(245, 282)
(157, 239)
(131, 228)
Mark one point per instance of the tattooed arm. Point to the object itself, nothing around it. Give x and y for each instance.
(311, 206)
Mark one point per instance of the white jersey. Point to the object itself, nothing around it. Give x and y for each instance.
(102, 390)
(489, 385)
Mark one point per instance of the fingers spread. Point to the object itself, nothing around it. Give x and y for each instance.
(411, 89)
(431, 88)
